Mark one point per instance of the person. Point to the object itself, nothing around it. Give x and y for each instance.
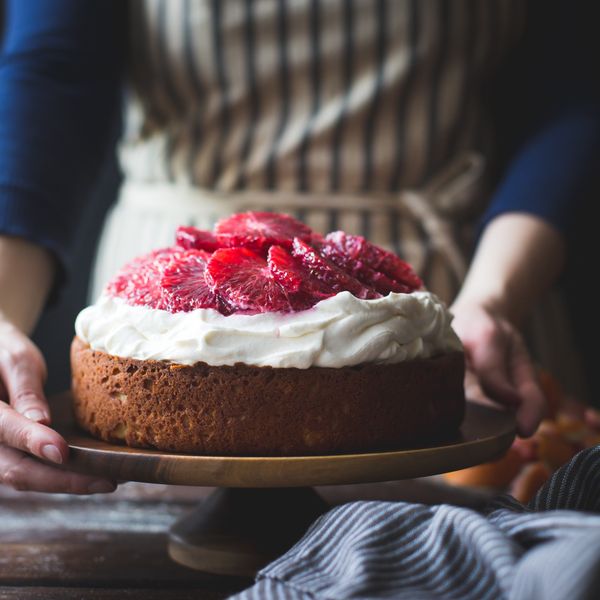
(359, 115)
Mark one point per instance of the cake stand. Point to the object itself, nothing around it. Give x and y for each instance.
(265, 504)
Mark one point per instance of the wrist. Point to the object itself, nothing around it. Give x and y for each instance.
(26, 275)
(493, 299)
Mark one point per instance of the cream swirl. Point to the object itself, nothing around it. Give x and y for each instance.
(337, 332)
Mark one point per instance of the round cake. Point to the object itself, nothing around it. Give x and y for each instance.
(263, 338)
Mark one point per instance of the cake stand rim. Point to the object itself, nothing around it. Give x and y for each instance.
(91, 455)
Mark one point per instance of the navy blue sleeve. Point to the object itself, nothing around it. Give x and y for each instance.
(552, 106)
(60, 76)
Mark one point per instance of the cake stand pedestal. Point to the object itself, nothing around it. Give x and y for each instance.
(265, 504)
(236, 531)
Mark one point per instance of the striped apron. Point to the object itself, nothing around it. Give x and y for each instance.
(361, 115)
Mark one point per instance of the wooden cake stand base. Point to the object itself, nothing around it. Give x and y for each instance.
(267, 503)
(236, 531)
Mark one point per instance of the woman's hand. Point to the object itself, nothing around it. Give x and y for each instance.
(24, 420)
(498, 364)
(26, 274)
(517, 260)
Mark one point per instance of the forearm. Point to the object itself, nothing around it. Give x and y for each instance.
(26, 275)
(519, 256)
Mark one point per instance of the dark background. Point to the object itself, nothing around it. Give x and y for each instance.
(55, 329)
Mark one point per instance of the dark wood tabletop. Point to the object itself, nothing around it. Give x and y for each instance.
(100, 547)
(113, 546)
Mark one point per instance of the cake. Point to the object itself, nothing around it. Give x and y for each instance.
(263, 338)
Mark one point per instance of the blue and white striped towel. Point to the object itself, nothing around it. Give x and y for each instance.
(547, 550)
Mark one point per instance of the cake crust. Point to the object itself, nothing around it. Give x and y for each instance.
(263, 411)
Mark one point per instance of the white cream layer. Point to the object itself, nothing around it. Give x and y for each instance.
(337, 332)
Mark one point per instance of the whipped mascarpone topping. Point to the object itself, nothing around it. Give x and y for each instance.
(337, 332)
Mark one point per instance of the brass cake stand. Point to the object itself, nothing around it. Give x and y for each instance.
(265, 504)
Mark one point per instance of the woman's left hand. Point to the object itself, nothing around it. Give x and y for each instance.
(499, 367)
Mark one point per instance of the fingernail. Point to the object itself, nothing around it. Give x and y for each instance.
(52, 453)
(101, 486)
(34, 414)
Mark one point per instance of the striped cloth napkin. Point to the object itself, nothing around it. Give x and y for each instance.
(549, 549)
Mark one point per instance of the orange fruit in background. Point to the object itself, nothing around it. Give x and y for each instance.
(527, 448)
(571, 427)
(591, 439)
(552, 391)
(492, 475)
(530, 480)
(568, 428)
(554, 450)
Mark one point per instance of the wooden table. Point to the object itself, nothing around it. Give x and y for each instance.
(100, 547)
(115, 546)
(108, 547)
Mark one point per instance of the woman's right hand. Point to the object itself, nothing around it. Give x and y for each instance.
(25, 435)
